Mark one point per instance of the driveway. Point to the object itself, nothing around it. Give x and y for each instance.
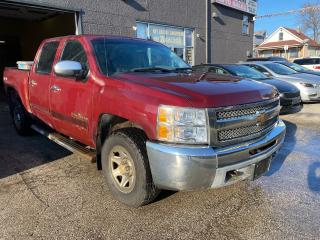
(48, 193)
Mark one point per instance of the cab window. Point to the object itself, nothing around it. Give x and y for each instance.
(46, 58)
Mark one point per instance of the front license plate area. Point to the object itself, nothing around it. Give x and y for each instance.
(261, 168)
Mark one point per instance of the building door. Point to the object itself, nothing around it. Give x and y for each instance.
(9, 52)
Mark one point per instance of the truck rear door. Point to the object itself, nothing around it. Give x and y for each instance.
(71, 99)
(39, 82)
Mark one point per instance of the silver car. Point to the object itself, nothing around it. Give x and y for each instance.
(309, 85)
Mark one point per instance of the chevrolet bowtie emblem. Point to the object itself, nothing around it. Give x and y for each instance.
(261, 118)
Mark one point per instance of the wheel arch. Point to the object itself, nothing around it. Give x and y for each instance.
(107, 124)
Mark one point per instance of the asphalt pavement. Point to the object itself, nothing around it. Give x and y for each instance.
(46, 192)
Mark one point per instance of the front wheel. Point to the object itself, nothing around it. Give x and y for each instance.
(126, 168)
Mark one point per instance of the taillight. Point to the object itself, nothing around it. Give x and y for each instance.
(316, 67)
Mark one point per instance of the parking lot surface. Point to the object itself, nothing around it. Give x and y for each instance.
(47, 192)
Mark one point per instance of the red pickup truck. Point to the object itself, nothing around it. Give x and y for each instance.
(144, 116)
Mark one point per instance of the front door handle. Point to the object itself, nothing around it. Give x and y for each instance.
(33, 83)
(55, 88)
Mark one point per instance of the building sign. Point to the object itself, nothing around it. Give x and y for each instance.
(169, 36)
(248, 6)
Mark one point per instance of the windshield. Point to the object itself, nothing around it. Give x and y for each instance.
(245, 72)
(280, 69)
(295, 66)
(116, 56)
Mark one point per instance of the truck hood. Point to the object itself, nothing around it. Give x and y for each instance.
(281, 85)
(204, 90)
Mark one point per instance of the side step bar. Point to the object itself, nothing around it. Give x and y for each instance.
(67, 143)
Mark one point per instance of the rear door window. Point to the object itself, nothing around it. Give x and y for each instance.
(47, 56)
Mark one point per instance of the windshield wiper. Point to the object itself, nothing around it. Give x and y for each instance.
(151, 69)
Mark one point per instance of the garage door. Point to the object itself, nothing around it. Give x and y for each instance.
(24, 26)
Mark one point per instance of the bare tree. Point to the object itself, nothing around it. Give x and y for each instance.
(310, 18)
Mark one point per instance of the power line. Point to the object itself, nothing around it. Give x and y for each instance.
(302, 10)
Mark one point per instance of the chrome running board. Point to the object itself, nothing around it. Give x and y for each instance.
(67, 143)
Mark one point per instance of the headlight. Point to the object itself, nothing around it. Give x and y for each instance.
(308, 85)
(182, 125)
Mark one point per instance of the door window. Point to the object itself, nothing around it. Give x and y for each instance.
(46, 59)
(74, 51)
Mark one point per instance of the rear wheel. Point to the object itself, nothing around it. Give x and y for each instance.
(20, 116)
(126, 168)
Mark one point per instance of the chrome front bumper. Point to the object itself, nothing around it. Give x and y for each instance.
(180, 168)
(310, 94)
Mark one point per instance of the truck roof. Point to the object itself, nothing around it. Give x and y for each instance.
(93, 36)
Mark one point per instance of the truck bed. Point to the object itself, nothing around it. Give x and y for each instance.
(19, 80)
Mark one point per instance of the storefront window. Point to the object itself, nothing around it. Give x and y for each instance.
(142, 30)
(180, 40)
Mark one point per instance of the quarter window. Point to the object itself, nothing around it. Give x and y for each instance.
(47, 56)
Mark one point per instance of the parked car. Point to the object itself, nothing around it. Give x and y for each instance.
(310, 63)
(290, 99)
(299, 68)
(309, 85)
(148, 120)
(268, 59)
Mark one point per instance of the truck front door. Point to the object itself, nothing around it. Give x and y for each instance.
(71, 99)
(39, 82)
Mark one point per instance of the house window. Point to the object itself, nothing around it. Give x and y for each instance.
(267, 53)
(245, 25)
(313, 52)
(179, 39)
(293, 52)
(281, 36)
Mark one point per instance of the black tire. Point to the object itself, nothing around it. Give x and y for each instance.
(20, 117)
(134, 142)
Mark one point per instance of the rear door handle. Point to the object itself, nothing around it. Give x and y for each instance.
(55, 88)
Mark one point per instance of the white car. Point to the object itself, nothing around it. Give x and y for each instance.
(309, 85)
(312, 63)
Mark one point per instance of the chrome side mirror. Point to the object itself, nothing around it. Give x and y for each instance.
(69, 69)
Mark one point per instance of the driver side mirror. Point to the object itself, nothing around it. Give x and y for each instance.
(69, 69)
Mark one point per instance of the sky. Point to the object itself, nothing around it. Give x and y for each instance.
(276, 6)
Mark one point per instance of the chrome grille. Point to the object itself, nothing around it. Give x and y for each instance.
(232, 125)
(235, 133)
(291, 94)
(245, 111)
